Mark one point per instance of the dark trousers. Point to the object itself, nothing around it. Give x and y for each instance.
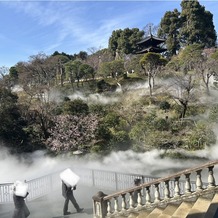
(73, 200)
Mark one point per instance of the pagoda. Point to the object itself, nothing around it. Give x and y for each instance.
(151, 44)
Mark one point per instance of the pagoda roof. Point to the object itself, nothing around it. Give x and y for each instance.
(151, 40)
(152, 49)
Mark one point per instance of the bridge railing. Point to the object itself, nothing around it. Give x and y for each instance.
(42, 186)
(109, 180)
(158, 191)
(37, 188)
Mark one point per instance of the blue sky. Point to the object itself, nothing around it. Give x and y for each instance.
(30, 27)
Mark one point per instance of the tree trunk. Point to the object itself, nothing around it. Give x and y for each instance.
(150, 85)
(61, 77)
(185, 106)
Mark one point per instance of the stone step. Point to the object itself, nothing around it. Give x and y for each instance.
(200, 207)
(156, 212)
(183, 210)
(169, 210)
(212, 211)
(143, 214)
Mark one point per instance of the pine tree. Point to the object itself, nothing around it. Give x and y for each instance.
(197, 24)
(194, 25)
(169, 28)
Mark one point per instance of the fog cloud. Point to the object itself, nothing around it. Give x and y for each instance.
(149, 163)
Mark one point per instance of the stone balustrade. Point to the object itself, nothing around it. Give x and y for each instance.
(160, 191)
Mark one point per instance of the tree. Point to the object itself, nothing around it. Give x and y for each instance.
(13, 74)
(150, 28)
(73, 71)
(169, 29)
(71, 132)
(192, 58)
(151, 63)
(12, 123)
(197, 24)
(82, 55)
(112, 68)
(132, 62)
(189, 56)
(39, 71)
(124, 41)
(87, 71)
(97, 58)
(183, 92)
(59, 61)
(68, 56)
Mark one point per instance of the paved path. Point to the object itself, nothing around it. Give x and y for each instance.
(51, 206)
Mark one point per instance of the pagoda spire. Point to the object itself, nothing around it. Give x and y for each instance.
(150, 30)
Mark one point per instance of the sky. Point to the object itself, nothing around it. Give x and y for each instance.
(31, 27)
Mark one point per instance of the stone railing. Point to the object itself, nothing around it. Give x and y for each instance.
(156, 192)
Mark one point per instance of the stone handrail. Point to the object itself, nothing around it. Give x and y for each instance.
(155, 192)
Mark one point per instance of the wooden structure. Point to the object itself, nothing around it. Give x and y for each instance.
(151, 44)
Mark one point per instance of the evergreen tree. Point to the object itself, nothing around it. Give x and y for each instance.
(197, 24)
(169, 28)
(194, 25)
(124, 41)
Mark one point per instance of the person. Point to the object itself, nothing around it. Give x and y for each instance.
(67, 192)
(21, 210)
(137, 182)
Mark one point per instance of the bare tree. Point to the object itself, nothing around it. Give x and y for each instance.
(183, 91)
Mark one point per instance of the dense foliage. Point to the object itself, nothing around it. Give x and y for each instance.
(192, 25)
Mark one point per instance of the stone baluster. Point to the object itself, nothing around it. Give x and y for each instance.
(131, 201)
(166, 190)
(147, 196)
(109, 208)
(187, 183)
(116, 205)
(199, 181)
(139, 200)
(177, 188)
(123, 202)
(211, 179)
(156, 193)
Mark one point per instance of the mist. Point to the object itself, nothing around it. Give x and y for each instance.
(149, 163)
(37, 164)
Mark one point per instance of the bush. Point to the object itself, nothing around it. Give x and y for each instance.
(164, 105)
(75, 107)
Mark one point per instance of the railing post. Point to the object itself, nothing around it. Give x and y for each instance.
(99, 205)
(156, 193)
(187, 184)
(211, 179)
(131, 201)
(108, 208)
(177, 188)
(147, 196)
(116, 206)
(123, 204)
(166, 190)
(198, 181)
(139, 200)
